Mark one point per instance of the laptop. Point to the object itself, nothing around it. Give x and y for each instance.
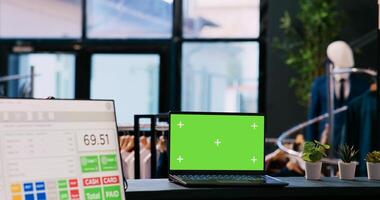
(59, 149)
(218, 149)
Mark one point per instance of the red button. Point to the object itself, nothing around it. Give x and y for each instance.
(110, 180)
(74, 194)
(91, 181)
(73, 183)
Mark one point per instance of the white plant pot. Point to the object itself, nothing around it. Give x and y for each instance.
(373, 170)
(347, 170)
(313, 170)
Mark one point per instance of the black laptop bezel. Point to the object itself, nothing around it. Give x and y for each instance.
(216, 172)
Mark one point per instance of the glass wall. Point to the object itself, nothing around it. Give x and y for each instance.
(54, 75)
(132, 80)
(129, 18)
(29, 19)
(221, 18)
(217, 75)
(220, 76)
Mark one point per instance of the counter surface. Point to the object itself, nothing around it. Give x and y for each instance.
(298, 187)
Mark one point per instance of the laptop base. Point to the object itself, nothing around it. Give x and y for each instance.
(226, 181)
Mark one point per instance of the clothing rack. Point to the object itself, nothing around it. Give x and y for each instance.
(331, 71)
(125, 130)
(330, 114)
(153, 129)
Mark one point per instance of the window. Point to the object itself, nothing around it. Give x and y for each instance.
(149, 56)
(220, 76)
(132, 80)
(221, 18)
(129, 18)
(40, 18)
(54, 75)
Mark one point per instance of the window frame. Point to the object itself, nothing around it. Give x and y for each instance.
(260, 40)
(170, 51)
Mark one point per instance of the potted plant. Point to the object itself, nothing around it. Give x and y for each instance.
(373, 165)
(347, 164)
(304, 50)
(312, 154)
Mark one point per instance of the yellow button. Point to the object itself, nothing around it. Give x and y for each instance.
(17, 197)
(16, 188)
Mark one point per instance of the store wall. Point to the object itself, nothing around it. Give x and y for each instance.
(281, 107)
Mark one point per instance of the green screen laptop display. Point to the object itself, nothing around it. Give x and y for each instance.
(216, 142)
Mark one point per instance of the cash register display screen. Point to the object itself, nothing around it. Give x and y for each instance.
(59, 150)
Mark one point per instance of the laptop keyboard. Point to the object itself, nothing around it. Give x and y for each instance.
(227, 178)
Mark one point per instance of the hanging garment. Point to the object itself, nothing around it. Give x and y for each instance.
(145, 159)
(162, 158)
(124, 164)
(318, 105)
(361, 127)
(162, 165)
(147, 166)
(130, 163)
(144, 166)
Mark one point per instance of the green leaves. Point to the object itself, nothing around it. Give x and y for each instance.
(347, 153)
(306, 35)
(314, 151)
(373, 157)
(286, 21)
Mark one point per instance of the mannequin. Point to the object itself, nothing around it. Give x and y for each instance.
(340, 53)
(346, 85)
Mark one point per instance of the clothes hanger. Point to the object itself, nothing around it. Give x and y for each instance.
(131, 144)
(144, 142)
(123, 142)
(162, 143)
(373, 87)
(127, 139)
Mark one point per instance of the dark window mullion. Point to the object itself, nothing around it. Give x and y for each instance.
(82, 74)
(177, 20)
(84, 20)
(262, 55)
(176, 57)
(4, 66)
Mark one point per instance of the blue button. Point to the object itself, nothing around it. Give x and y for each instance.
(28, 187)
(41, 196)
(40, 186)
(29, 197)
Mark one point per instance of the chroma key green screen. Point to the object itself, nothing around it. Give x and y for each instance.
(216, 142)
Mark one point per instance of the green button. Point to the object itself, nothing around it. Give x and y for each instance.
(112, 193)
(63, 195)
(89, 164)
(93, 194)
(62, 184)
(108, 162)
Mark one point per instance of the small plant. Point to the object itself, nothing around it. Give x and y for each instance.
(373, 157)
(314, 151)
(347, 153)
